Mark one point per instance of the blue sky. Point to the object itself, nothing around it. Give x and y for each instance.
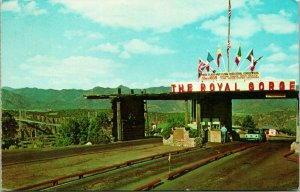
(64, 44)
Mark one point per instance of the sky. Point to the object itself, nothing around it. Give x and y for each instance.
(79, 44)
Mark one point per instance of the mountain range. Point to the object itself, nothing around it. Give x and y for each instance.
(50, 99)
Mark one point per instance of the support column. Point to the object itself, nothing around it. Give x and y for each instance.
(198, 119)
(297, 122)
(119, 124)
(146, 118)
(193, 110)
(186, 112)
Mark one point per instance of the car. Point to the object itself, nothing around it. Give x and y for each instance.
(255, 135)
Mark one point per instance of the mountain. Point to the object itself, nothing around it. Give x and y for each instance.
(50, 99)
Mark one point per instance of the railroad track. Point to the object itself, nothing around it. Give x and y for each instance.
(9, 159)
(147, 171)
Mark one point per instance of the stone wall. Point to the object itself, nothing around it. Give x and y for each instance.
(215, 136)
(180, 137)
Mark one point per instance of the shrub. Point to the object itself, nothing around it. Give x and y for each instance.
(9, 130)
(97, 129)
(166, 132)
(176, 121)
(193, 133)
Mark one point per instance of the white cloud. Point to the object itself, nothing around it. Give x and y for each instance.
(284, 13)
(278, 24)
(274, 48)
(70, 67)
(161, 16)
(70, 34)
(124, 55)
(12, 5)
(181, 75)
(294, 47)
(137, 46)
(277, 57)
(243, 27)
(279, 68)
(107, 47)
(33, 9)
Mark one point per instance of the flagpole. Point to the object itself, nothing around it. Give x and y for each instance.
(240, 65)
(228, 46)
(223, 64)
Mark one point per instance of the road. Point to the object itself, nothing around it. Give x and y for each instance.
(129, 177)
(258, 168)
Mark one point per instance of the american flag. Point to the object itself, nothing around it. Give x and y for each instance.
(201, 67)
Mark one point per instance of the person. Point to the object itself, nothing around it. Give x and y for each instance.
(223, 133)
(267, 135)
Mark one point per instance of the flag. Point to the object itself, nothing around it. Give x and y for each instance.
(238, 56)
(169, 159)
(201, 67)
(228, 47)
(250, 57)
(209, 59)
(219, 56)
(254, 63)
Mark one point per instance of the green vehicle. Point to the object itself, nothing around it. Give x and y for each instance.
(255, 135)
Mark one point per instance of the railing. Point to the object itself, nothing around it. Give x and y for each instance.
(205, 161)
(150, 185)
(80, 175)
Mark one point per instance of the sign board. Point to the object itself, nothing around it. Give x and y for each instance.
(235, 86)
(230, 76)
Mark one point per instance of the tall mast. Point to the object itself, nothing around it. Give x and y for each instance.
(228, 44)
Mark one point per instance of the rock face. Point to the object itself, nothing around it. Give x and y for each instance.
(295, 147)
(180, 137)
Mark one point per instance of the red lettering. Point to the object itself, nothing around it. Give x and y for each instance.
(212, 87)
(173, 86)
(261, 86)
(220, 85)
(251, 86)
(281, 86)
(271, 86)
(235, 87)
(227, 88)
(292, 85)
(181, 88)
(203, 87)
(190, 88)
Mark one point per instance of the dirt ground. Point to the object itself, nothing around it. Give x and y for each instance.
(259, 168)
(24, 174)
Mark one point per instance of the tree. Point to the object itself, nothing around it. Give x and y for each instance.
(69, 133)
(84, 124)
(248, 122)
(9, 129)
(97, 129)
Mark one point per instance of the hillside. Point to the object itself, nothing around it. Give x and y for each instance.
(50, 99)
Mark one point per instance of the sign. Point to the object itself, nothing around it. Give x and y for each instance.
(227, 86)
(230, 76)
